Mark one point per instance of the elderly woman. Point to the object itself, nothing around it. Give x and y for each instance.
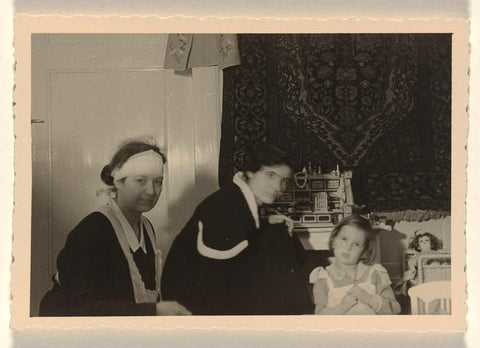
(110, 264)
(227, 261)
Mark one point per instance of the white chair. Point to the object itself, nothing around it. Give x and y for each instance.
(431, 298)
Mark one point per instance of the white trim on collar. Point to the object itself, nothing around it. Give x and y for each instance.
(239, 180)
(132, 240)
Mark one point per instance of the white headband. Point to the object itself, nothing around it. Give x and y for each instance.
(143, 163)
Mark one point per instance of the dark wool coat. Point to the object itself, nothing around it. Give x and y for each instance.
(263, 278)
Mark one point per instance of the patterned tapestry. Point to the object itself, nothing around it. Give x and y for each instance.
(378, 104)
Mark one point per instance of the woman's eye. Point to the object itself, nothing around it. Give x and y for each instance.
(140, 181)
(158, 182)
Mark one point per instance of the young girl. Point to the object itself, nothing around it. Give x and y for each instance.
(350, 285)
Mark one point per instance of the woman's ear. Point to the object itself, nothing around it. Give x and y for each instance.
(118, 183)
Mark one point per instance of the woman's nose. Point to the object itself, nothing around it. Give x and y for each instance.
(150, 188)
(277, 185)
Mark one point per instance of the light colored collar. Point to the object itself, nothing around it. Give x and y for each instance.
(238, 179)
(132, 240)
(339, 272)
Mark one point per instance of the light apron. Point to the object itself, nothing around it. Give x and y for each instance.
(142, 295)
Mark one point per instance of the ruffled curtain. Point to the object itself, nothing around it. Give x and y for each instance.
(412, 215)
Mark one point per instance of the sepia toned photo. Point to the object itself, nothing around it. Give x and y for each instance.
(249, 174)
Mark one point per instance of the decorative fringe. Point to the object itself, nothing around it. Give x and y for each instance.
(412, 215)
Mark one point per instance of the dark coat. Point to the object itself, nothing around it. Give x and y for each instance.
(262, 279)
(94, 274)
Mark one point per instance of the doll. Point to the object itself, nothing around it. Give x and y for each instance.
(423, 243)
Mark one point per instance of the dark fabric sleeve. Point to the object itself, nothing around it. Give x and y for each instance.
(202, 283)
(94, 274)
(223, 228)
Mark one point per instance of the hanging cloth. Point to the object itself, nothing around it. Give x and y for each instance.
(186, 51)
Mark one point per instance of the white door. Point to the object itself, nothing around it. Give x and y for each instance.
(90, 93)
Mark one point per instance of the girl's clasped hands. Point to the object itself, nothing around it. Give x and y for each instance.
(357, 295)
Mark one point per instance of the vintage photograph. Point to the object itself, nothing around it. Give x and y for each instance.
(245, 174)
(316, 174)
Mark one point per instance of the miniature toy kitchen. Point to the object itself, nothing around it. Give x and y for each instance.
(316, 201)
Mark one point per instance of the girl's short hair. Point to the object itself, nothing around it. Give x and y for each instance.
(435, 242)
(265, 155)
(369, 251)
(125, 151)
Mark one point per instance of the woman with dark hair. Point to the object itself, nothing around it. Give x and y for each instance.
(110, 264)
(226, 260)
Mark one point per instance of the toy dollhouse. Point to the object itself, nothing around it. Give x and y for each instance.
(316, 202)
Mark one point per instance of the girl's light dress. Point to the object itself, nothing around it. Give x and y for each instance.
(333, 283)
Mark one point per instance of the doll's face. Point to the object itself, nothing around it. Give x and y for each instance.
(424, 243)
